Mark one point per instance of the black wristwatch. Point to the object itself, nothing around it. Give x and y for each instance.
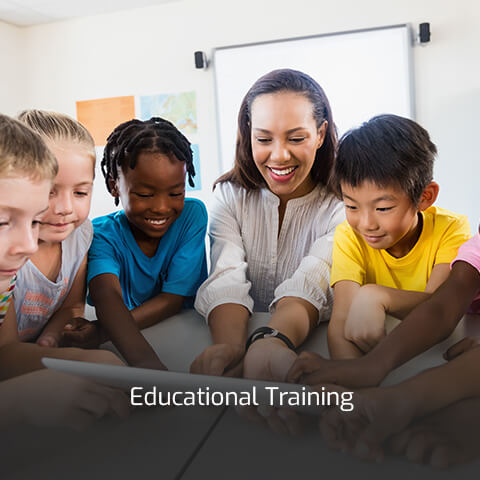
(266, 332)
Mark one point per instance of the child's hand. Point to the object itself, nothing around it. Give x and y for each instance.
(447, 437)
(378, 413)
(52, 399)
(461, 347)
(365, 324)
(220, 359)
(312, 369)
(50, 339)
(81, 333)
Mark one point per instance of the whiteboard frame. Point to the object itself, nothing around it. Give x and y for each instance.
(410, 65)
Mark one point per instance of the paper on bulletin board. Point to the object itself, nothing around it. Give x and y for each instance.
(102, 115)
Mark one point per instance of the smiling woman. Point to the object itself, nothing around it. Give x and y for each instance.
(271, 229)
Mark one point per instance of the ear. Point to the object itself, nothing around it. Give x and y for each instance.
(322, 132)
(429, 196)
(112, 184)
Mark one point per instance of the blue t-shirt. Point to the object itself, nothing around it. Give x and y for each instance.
(179, 265)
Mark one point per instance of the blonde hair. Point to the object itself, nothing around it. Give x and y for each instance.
(57, 126)
(22, 151)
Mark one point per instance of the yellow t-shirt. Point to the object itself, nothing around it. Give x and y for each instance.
(442, 234)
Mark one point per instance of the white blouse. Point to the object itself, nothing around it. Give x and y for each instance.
(255, 265)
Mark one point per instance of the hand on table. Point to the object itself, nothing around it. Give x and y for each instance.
(220, 359)
(52, 399)
(461, 347)
(270, 359)
(378, 413)
(81, 333)
(312, 369)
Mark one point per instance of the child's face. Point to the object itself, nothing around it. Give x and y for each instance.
(285, 139)
(384, 216)
(71, 193)
(22, 203)
(152, 193)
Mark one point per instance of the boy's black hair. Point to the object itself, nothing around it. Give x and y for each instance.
(386, 150)
(131, 138)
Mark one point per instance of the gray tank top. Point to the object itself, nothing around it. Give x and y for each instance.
(36, 297)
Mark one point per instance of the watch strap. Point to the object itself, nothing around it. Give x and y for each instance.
(267, 332)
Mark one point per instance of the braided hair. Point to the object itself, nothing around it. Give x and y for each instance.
(131, 138)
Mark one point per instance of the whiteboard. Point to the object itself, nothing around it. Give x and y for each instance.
(363, 72)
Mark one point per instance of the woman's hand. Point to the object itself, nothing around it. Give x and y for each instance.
(268, 359)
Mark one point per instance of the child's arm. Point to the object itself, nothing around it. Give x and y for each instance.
(338, 346)
(365, 325)
(72, 307)
(381, 412)
(119, 324)
(18, 358)
(8, 329)
(159, 308)
(428, 324)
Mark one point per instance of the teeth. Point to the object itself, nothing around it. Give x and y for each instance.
(285, 171)
(156, 222)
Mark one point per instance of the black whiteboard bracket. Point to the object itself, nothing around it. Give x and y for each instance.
(423, 36)
(201, 61)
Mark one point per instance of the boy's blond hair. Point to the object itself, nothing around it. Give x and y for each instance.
(57, 126)
(23, 152)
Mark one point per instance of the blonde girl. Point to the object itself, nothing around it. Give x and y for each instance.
(51, 287)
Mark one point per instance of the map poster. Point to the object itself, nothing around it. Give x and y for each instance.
(179, 108)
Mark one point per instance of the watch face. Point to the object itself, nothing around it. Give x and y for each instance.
(273, 333)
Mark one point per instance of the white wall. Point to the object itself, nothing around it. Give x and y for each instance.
(12, 68)
(150, 50)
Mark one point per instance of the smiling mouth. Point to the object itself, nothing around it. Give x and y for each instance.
(282, 171)
(57, 225)
(157, 222)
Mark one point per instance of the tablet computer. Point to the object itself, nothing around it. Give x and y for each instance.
(200, 389)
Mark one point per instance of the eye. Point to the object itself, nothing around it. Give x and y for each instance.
(350, 207)
(175, 194)
(143, 195)
(297, 139)
(384, 209)
(3, 224)
(263, 140)
(81, 194)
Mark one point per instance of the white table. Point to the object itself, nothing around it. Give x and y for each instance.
(197, 443)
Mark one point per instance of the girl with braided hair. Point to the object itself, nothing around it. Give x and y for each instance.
(148, 259)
